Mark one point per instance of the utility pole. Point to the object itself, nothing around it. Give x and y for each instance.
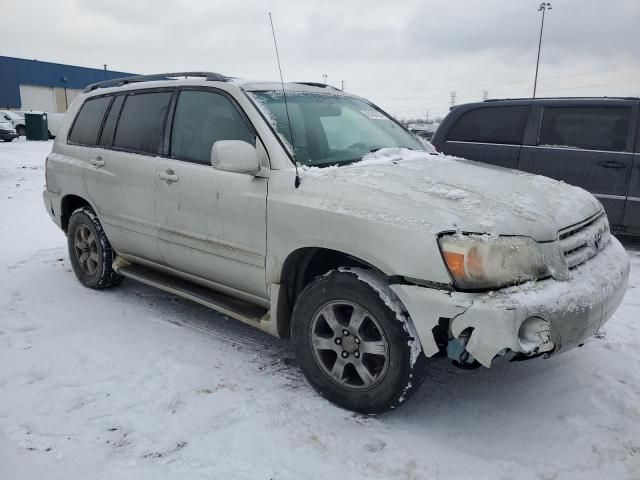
(544, 6)
(324, 78)
(342, 85)
(426, 117)
(485, 94)
(453, 96)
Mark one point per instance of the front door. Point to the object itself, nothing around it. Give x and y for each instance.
(632, 209)
(211, 223)
(587, 146)
(489, 134)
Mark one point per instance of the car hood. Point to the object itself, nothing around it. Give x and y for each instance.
(441, 193)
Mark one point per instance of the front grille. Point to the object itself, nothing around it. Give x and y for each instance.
(582, 241)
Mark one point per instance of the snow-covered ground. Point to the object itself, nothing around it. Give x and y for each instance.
(135, 383)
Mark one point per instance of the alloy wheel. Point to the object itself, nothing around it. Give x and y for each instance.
(86, 249)
(349, 345)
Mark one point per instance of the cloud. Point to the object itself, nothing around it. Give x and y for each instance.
(406, 55)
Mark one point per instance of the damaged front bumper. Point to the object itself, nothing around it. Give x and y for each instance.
(544, 316)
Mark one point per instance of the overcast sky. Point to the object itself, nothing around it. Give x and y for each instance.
(406, 56)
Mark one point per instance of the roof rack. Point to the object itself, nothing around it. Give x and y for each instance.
(118, 82)
(563, 98)
(317, 84)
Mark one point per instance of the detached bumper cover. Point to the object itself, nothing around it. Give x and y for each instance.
(575, 309)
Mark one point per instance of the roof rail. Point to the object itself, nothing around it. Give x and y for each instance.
(562, 98)
(118, 82)
(317, 84)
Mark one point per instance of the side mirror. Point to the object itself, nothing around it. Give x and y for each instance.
(235, 156)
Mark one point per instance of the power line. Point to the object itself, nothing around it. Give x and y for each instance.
(504, 83)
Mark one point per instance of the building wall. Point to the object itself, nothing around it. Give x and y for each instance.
(35, 85)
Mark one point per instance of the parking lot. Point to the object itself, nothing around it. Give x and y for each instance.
(136, 383)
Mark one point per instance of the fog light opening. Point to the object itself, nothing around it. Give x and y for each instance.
(535, 336)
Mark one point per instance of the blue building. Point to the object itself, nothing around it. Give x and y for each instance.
(50, 87)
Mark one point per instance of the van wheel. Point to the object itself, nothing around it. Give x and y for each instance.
(90, 251)
(354, 343)
(21, 131)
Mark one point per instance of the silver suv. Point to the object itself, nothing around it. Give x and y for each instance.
(313, 215)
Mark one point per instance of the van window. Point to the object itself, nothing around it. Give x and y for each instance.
(106, 137)
(491, 125)
(141, 122)
(201, 119)
(589, 128)
(87, 124)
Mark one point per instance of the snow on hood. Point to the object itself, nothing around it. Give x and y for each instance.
(443, 193)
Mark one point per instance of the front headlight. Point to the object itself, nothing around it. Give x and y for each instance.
(487, 262)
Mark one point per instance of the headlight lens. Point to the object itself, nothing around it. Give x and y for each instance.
(486, 262)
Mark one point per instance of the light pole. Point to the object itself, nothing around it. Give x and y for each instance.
(544, 6)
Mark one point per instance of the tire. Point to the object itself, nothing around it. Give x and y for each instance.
(8, 139)
(90, 251)
(21, 131)
(385, 343)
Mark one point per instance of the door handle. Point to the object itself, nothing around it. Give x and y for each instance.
(612, 164)
(168, 176)
(97, 162)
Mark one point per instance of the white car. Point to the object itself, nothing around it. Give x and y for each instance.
(15, 119)
(315, 216)
(7, 132)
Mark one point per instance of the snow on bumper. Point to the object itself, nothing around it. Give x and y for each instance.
(574, 310)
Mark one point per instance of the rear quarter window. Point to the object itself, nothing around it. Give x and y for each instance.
(588, 128)
(86, 126)
(491, 125)
(141, 122)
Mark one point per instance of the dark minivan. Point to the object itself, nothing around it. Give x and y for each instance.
(593, 143)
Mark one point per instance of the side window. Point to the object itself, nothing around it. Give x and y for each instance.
(589, 128)
(201, 119)
(106, 137)
(141, 122)
(491, 125)
(88, 121)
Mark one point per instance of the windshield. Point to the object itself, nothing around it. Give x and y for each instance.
(332, 129)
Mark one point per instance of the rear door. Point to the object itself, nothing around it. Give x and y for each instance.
(489, 134)
(121, 179)
(587, 145)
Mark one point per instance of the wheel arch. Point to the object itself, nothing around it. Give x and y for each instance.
(68, 205)
(300, 268)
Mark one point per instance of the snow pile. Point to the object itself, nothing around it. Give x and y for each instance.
(384, 156)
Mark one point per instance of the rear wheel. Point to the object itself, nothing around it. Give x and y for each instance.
(90, 251)
(8, 139)
(355, 347)
(21, 131)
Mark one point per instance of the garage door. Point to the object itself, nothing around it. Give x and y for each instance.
(37, 98)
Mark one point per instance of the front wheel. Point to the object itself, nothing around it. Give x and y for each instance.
(354, 343)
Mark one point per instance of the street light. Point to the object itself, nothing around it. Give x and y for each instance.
(544, 6)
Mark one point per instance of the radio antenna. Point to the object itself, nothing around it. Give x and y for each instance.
(286, 105)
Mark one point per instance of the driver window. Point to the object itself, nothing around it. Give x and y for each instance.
(202, 118)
